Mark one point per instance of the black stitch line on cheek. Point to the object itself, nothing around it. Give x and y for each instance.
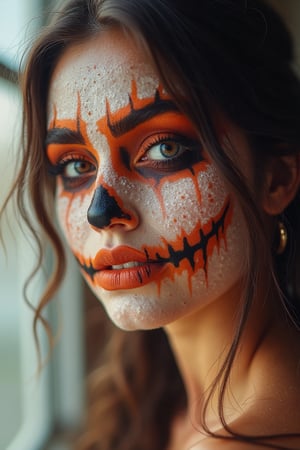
(176, 256)
(88, 269)
(189, 251)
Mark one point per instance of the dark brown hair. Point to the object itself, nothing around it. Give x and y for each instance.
(238, 62)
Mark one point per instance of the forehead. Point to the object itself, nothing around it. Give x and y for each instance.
(98, 70)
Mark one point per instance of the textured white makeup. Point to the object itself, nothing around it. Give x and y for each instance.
(176, 247)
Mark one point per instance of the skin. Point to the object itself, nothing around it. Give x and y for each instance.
(148, 192)
(155, 206)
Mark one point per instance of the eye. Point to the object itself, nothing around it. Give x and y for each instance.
(165, 150)
(76, 171)
(76, 168)
(168, 153)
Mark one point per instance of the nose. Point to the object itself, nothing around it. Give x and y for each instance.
(105, 211)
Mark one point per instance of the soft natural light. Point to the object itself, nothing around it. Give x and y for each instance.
(19, 21)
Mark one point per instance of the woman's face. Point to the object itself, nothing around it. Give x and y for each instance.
(154, 228)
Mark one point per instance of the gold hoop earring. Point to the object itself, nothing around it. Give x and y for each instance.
(283, 237)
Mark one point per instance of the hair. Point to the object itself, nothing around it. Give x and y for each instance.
(239, 61)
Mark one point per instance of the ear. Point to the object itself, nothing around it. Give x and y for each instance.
(282, 181)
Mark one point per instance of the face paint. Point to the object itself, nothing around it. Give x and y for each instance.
(189, 253)
(145, 212)
(105, 211)
(124, 127)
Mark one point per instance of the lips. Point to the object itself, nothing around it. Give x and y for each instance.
(124, 268)
(106, 258)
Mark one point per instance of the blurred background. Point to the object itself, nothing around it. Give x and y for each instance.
(38, 413)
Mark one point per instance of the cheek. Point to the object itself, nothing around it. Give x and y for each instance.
(192, 200)
(179, 202)
(214, 194)
(200, 233)
(72, 216)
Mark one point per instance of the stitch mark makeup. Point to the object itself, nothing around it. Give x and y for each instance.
(145, 211)
(189, 252)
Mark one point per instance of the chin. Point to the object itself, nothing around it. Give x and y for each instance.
(132, 312)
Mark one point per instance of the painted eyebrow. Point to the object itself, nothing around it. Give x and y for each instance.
(139, 116)
(64, 136)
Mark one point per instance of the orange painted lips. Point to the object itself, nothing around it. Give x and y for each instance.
(124, 268)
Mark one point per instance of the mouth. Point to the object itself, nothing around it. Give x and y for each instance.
(128, 265)
(122, 268)
(124, 277)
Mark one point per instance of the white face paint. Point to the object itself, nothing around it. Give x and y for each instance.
(146, 214)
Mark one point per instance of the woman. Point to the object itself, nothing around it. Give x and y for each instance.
(170, 133)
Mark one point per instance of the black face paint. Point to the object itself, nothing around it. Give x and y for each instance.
(125, 158)
(138, 116)
(188, 251)
(103, 209)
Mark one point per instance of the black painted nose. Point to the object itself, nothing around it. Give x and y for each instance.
(104, 209)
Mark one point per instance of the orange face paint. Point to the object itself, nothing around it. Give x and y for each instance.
(145, 212)
(138, 119)
(188, 253)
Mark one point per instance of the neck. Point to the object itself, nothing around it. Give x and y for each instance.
(201, 343)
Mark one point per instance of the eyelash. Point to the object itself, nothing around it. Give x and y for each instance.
(191, 154)
(58, 168)
(70, 183)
